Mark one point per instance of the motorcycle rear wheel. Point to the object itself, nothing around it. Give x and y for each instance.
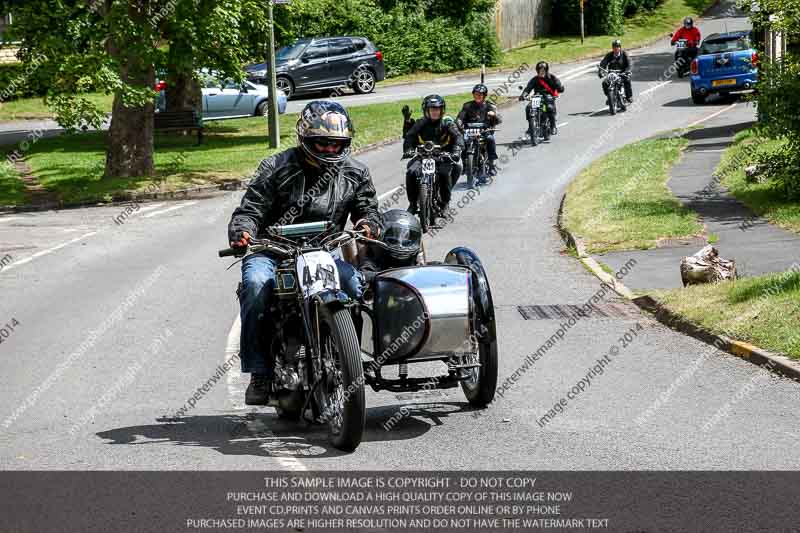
(342, 368)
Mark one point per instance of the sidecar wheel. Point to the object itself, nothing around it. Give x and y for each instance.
(341, 358)
(480, 391)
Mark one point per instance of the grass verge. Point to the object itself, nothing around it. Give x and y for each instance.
(764, 199)
(621, 201)
(34, 108)
(641, 29)
(761, 310)
(72, 165)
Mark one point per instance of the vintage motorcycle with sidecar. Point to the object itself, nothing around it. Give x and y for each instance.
(425, 313)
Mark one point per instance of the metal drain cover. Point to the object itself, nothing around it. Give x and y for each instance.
(560, 312)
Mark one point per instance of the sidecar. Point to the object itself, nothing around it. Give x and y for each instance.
(434, 312)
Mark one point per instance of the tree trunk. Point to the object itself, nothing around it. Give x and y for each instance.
(183, 91)
(130, 136)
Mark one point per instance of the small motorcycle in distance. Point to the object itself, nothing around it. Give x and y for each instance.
(431, 156)
(684, 54)
(539, 127)
(476, 160)
(616, 90)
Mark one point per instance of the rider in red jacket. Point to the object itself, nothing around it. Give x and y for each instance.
(688, 32)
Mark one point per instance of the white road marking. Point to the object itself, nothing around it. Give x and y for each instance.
(257, 429)
(388, 193)
(562, 124)
(651, 89)
(712, 115)
(174, 208)
(47, 251)
(235, 383)
(580, 73)
(9, 219)
(150, 207)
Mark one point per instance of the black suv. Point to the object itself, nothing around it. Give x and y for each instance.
(324, 63)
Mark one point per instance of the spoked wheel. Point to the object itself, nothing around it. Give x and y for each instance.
(424, 207)
(533, 127)
(622, 105)
(341, 392)
(612, 101)
(480, 385)
(469, 170)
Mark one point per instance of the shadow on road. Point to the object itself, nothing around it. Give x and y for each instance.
(263, 434)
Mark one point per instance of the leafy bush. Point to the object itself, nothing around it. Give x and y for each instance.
(19, 81)
(438, 36)
(601, 17)
(778, 101)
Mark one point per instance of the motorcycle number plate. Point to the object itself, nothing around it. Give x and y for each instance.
(428, 166)
(317, 272)
(536, 101)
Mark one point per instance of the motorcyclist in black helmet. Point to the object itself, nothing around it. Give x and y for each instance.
(441, 130)
(402, 235)
(550, 87)
(316, 181)
(479, 109)
(617, 59)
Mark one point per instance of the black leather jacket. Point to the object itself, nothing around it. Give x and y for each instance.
(287, 190)
(474, 112)
(448, 137)
(537, 87)
(621, 63)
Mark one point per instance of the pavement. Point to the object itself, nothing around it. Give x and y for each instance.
(119, 324)
(757, 246)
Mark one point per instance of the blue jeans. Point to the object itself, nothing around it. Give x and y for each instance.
(258, 283)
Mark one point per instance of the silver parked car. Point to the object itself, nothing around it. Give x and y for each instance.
(228, 99)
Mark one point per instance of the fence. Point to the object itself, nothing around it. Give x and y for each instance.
(517, 21)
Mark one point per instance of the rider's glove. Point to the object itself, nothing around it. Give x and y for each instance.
(406, 112)
(240, 239)
(372, 229)
(521, 97)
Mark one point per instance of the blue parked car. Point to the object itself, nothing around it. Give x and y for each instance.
(726, 63)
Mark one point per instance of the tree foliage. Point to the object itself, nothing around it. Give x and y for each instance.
(115, 46)
(435, 36)
(778, 96)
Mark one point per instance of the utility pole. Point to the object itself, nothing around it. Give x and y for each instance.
(581, 2)
(272, 104)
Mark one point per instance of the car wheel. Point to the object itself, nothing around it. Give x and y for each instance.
(364, 81)
(262, 110)
(285, 84)
(698, 98)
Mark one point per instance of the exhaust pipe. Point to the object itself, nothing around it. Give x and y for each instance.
(703, 90)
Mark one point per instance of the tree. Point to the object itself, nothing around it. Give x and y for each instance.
(115, 46)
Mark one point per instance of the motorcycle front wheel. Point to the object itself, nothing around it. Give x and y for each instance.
(612, 101)
(424, 207)
(342, 386)
(533, 127)
(469, 170)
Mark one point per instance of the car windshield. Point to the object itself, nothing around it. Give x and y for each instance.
(292, 51)
(719, 46)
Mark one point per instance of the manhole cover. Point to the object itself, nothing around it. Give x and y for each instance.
(560, 312)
